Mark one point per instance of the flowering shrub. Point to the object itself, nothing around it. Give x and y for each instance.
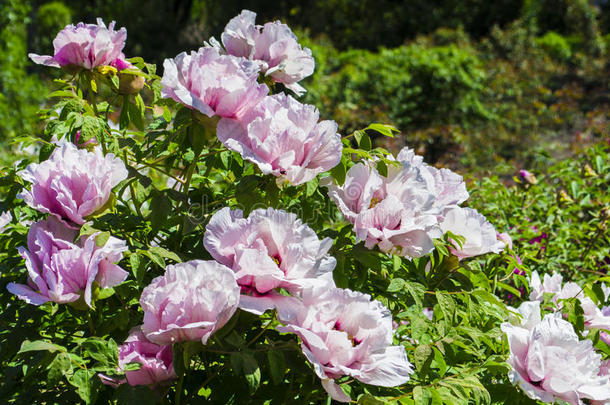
(222, 244)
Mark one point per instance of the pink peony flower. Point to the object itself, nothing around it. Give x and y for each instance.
(549, 284)
(85, 45)
(343, 332)
(189, 302)
(212, 84)
(61, 270)
(448, 187)
(273, 47)
(72, 183)
(479, 233)
(395, 212)
(593, 316)
(283, 137)
(270, 249)
(5, 219)
(156, 361)
(550, 363)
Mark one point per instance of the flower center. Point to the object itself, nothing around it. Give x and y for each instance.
(355, 342)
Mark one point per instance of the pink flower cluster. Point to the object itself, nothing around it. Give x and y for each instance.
(552, 288)
(86, 46)
(272, 46)
(403, 211)
(280, 135)
(70, 185)
(190, 302)
(342, 332)
(62, 270)
(550, 363)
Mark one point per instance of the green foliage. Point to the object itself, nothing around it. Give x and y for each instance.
(556, 46)
(411, 86)
(560, 223)
(20, 93)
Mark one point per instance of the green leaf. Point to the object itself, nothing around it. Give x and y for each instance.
(368, 399)
(383, 129)
(417, 291)
(421, 395)
(102, 238)
(447, 305)
(422, 358)
(60, 366)
(138, 267)
(106, 353)
(167, 114)
(365, 143)
(338, 173)
(396, 284)
(83, 380)
(277, 366)
(40, 345)
(245, 364)
(158, 250)
(311, 187)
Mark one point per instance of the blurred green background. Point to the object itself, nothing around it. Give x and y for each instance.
(474, 85)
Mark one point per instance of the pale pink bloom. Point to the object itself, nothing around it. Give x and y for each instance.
(428, 312)
(270, 249)
(5, 219)
(156, 361)
(273, 46)
(85, 45)
(72, 183)
(505, 238)
(549, 285)
(61, 270)
(344, 332)
(552, 285)
(189, 302)
(479, 233)
(605, 335)
(394, 212)
(284, 138)
(213, 84)
(550, 363)
(594, 317)
(448, 187)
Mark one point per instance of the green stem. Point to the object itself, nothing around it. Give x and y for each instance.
(177, 397)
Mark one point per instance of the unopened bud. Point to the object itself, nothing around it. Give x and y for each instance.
(528, 177)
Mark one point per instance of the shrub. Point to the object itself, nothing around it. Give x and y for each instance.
(556, 46)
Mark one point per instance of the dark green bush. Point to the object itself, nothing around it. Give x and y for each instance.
(20, 93)
(415, 86)
(555, 45)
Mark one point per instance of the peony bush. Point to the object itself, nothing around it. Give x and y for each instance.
(202, 236)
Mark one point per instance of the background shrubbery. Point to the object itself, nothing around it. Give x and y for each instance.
(470, 85)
